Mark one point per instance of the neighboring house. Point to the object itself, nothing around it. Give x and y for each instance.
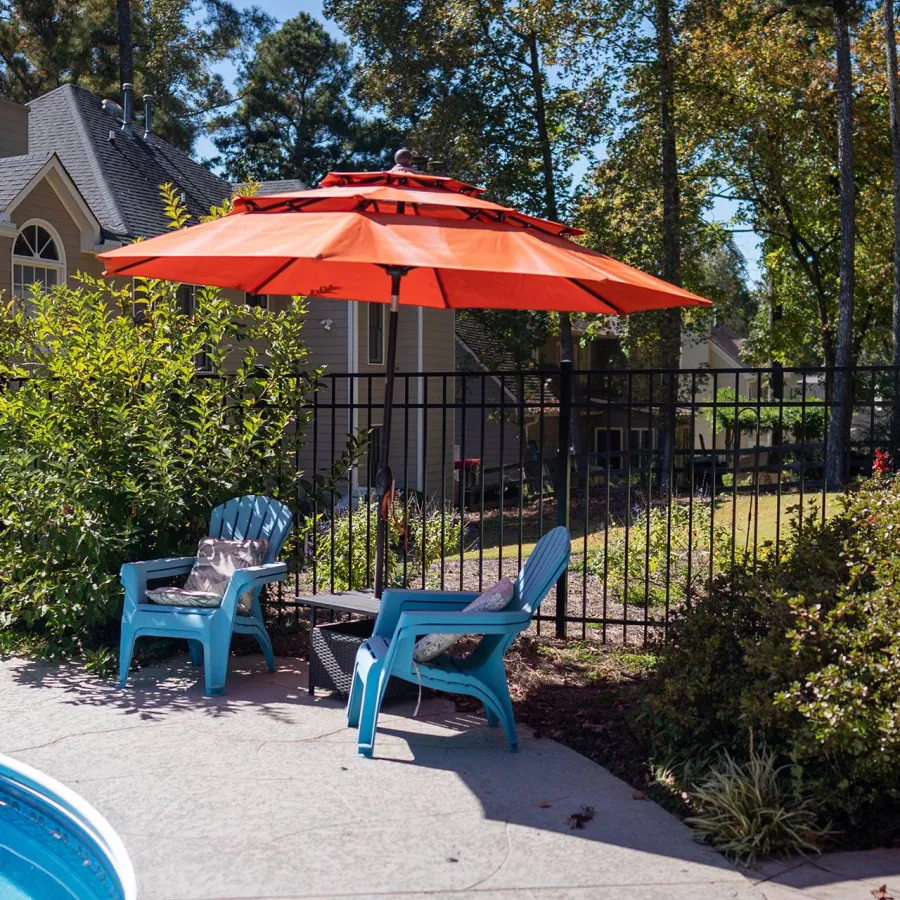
(77, 179)
(604, 417)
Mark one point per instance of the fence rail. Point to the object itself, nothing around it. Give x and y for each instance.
(666, 479)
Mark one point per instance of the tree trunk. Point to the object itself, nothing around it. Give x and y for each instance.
(540, 111)
(670, 320)
(894, 105)
(126, 55)
(839, 428)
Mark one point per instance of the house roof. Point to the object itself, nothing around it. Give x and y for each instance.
(285, 186)
(118, 178)
(16, 172)
(728, 341)
(477, 349)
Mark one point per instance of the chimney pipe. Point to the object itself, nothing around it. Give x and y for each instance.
(127, 106)
(148, 115)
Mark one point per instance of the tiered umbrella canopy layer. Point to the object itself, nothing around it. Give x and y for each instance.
(335, 241)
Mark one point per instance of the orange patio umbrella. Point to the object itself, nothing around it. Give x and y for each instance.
(361, 234)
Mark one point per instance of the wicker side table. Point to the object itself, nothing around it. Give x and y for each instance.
(332, 654)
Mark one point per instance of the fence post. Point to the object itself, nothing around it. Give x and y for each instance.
(563, 478)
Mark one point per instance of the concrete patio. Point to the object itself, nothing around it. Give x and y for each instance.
(260, 794)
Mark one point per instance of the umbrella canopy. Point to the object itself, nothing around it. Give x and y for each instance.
(450, 248)
(462, 251)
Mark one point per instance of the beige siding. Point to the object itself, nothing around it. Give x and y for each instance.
(13, 128)
(43, 203)
(406, 431)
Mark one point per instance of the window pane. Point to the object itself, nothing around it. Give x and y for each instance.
(186, 298)
(258, 301)
(22, 247)
(45, 245)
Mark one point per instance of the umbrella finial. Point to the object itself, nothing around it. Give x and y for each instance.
(403, 161)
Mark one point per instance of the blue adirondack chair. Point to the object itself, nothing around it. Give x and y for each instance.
(208, 630)
(406, 615)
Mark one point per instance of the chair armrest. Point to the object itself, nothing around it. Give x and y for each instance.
(248, 579)
(463, 622)
(395, 601)
(134, 577)
(159, 568)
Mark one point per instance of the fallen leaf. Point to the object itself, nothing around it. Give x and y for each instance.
(639, 795)
(544, 804)
(582, 817)
(881, 893)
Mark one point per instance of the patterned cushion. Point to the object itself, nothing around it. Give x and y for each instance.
(217, 560)
(492, 600)
(173, 596)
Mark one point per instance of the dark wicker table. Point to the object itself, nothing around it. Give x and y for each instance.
(333, 646)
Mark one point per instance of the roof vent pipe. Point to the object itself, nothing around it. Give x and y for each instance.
(148, 115)
(127, 106)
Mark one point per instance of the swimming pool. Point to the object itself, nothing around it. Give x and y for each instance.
(54, 845)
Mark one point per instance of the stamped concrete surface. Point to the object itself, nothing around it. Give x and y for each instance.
(834, 876)
(260, 794)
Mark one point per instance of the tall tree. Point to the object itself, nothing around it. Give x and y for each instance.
(295, 118)
(178, 46)
(839, 429)
(508, 94)
(126, 48)
(890, 40)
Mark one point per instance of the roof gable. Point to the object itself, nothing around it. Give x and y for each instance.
(119, 178)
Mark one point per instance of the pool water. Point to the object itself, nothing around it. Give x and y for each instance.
(53, 846)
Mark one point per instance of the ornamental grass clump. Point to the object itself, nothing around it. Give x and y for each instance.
(750, 809)
(805, 653)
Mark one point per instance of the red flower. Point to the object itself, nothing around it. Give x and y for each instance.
(882, 464)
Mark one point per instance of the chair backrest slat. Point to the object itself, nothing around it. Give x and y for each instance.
(250, 518)
(543, 567)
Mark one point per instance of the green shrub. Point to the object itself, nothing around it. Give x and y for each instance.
(112, 449)
(660, 548)
(352, 562)
(804, 654)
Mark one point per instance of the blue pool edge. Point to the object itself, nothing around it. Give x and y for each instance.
(84, 817)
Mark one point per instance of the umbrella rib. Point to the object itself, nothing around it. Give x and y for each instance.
(141, 262)
(617, 310)
(270, 278)
(440, 282)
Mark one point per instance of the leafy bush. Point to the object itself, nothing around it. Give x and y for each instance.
(112, 449)
(659, 548)
(806, 655)
(750, 809)
(352, 562)
(803, 418)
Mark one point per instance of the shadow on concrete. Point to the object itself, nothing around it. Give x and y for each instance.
(156, 691)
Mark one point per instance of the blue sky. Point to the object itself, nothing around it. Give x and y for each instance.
(748, 244)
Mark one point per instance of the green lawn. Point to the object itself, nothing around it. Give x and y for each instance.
(756, 517)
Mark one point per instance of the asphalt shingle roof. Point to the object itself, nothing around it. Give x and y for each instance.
(16, 172)
(492, 355)
(118, 178)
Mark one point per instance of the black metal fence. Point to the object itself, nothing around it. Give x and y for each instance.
(671, 478)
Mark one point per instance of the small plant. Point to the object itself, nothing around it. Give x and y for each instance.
(342, 548)
(101, 663)
(750, 809)
(664, 557)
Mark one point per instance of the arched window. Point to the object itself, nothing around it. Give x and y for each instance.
(37, 257)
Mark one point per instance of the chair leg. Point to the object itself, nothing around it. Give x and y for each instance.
(265, 642)
(368, 720)
(492, 719)
(215, 670)
(196, 651)
(354, 701)
(126, 649)
(494, 678)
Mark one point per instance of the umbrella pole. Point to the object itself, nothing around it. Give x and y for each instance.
(384, 480)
